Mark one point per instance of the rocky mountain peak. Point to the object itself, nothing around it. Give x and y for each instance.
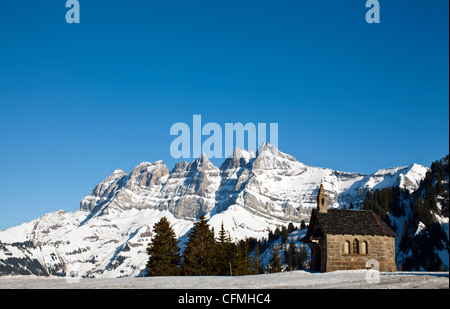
(147, 174)
(180, 167)
(104, 191)
(239, 159)
(268, 157)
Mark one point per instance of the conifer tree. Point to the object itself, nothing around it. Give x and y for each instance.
(275, 262)
(225, 249)
(284, 234)
(303, 225)
(291, 227)
(277, 233)
(256, 262)
(242, 259)
(291, 256)
(200, 252)
(302, 256)
(163, 250)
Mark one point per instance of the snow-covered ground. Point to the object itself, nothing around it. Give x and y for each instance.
(350, 279)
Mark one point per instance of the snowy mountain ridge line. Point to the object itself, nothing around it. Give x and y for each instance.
(250, 193)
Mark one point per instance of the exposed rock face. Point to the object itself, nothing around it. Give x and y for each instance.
(188, 191)
(147, 175)
(104, 191)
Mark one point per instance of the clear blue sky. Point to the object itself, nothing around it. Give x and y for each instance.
(80, 100)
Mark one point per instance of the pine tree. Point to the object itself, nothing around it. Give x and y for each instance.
(303, 225)
(291, 227)
(284, 234)
(291, 255)
(225, 249)
(368, 201)
(256, 261)
(303, 255)
(404, 240)
(275, 262)
(241, 261)
(200, 253)
(163, 250)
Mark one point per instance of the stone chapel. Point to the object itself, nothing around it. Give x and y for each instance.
(343, 239)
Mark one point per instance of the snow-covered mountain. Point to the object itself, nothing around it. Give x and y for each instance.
(250, 193)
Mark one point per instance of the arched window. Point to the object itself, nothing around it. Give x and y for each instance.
(347, 247)
(355, 246)
(364, 248)
(323, 201)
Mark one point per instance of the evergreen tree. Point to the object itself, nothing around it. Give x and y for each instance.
(368, 201)
(163, 250)
(291, 227)
(291, 256)
(303, 255)
(256, 262)
(303, 225)
(275, 262)
(222, 235)
(225, 249)
(271, 237)
(284, 234)
(200, 252)
(241, 261)
(277, 233)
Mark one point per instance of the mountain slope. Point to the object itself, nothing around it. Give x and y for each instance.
(424, 241)
(250, 193)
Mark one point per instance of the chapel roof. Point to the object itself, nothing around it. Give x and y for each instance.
(352, 222)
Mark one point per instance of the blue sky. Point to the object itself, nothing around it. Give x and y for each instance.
(78, 101)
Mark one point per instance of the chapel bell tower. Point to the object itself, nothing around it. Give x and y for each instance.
(322, 200)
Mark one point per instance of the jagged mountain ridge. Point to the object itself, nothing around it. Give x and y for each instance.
(249, 193)
(269, 183)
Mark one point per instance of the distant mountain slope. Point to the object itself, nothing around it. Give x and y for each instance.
(424, 228)
(250, 193)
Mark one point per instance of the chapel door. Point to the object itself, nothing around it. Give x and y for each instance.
(316, 257)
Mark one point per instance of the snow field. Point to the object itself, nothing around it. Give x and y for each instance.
(350, 279)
